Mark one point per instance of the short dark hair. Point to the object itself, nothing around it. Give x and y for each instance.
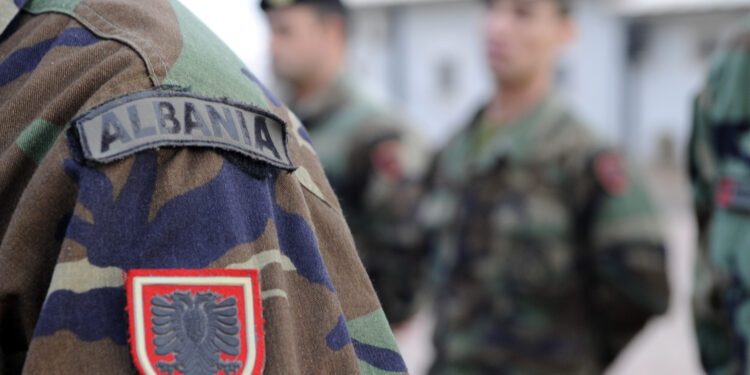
(565, 5)
(324, 8)
(330, 8)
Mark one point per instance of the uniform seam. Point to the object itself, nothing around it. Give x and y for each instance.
(325, 201)
(151, 72)
(123, 33)
(143, 47)
(147, 43)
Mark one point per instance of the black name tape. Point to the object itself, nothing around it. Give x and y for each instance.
(152, 119)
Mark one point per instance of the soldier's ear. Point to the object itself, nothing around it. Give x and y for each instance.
(568, 30)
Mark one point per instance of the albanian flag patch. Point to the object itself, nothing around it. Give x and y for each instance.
(611, 174)
(196, 322)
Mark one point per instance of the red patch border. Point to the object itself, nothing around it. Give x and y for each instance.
(258, 322)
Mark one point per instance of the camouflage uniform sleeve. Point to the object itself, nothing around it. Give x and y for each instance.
(623, 256)
(81, 221)
(712, 320)
(386, 168)
(701, 165)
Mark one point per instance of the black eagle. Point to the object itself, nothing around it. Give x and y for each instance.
(197, 328)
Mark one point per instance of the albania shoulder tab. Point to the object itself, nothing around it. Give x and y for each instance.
(159, 118)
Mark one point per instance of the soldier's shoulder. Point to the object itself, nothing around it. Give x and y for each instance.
(738, 36)
(178, 50)
(566, 136)
(379, 120)
(722, 97)
(164, 62)
(579, 153)
(373, 113)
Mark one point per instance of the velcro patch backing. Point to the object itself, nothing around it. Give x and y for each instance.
(152, 119)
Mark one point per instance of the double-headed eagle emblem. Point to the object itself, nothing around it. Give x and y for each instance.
(197, 328)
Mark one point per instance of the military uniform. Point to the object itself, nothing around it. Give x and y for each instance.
(374, 162)
(159, 207)
(719, 169)
(549, 257)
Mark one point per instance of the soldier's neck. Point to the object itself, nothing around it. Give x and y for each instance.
(513, 101)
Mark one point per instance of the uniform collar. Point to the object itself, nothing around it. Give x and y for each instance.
(325, 101)
(516, 140)
(8, 11)
(513, 142)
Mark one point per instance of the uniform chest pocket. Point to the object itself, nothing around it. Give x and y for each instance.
(530, 246)
(530, 217)
(514, 232)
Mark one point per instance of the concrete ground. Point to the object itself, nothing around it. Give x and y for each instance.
(667, 344)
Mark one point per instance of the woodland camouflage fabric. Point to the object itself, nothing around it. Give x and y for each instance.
(719, 159)
(70, 227)
(548, 254)
(375, 162)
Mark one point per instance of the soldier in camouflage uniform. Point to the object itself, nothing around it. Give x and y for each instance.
(372, 158)
(135, 144)
(549, 257)
(719, 160)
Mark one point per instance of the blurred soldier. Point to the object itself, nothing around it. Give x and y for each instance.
(549, 254)
(368, 153)
(719, 155)
(159, 209)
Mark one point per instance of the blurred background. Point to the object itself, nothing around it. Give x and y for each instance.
(632, 74)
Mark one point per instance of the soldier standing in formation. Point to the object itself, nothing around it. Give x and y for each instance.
(371, 157)
(549, 256)
(719, 157)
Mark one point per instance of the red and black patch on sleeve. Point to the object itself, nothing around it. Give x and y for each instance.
(733, 193)
(610, 172)
(196, 321)
(385, 160)
(725, 193)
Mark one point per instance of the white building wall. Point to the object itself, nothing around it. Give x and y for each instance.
(370, 51)
(668, 75)
(426, 57)
(447, 76)
(593, 69)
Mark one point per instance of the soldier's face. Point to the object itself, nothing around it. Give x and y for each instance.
(299, 38)
(524, 38)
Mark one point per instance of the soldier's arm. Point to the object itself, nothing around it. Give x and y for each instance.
(624, 265)
(386, 173)
(188, 163)
(701, 164)
(712, 320)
